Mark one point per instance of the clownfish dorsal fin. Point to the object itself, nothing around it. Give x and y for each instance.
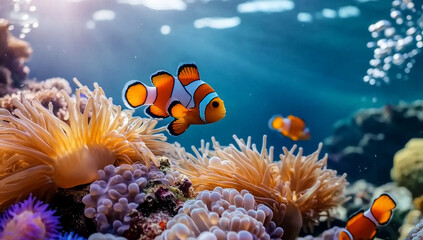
(155, 112)
(177, 110)
(382, 208)
(161, 77)
(188, 73)
(355, 217)
(177, 126)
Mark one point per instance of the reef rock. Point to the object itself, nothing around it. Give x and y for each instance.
(366, 142)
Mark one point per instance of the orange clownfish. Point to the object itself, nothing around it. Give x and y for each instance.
(291, 126)
(363, 225)
(186, 98)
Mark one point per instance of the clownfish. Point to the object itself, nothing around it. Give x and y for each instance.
(291, 126)
(363, 225)
(186, 98)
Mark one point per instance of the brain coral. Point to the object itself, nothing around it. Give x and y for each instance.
(302, 183)
(39, 151)
(408, 166)
(222, 214)
(119, 191)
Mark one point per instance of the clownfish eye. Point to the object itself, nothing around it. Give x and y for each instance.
(215, 104)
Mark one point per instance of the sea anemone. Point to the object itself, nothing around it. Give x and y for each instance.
(29, 220)
(70, 236)
(37, 149)
(299, 186)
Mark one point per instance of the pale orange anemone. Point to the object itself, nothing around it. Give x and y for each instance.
(299, 189)
(38, 151)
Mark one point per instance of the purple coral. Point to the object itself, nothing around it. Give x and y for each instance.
(120, 190)
(29, 220)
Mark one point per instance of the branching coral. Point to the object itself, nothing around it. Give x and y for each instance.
(29, 220)
(47, 92)
(302, 183)
(39, 149)
(222, 214)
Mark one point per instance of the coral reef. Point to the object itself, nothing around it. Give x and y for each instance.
(30, 220)
(68, 202)
(47, 92)
(408, 166)
(125, 198)
(39, 151)
(222, 214)
(370, 136)
(13, 54)
(300, 187)
(100, 236)
(409, 227)
(330, 234)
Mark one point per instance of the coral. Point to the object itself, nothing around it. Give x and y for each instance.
(29, 220)
(100, 236)
(120, 193)
(13, 54)
(70, 236)
(330, 234)
(300, 186)
(47, 92)
(222, 214)
(68, 202)
(373, 135)
(40, 151)
(408, 166)
(411, 226)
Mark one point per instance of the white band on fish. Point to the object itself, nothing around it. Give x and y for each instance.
(203, 104)
(368, 214)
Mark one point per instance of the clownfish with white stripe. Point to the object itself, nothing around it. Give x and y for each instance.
(186, 98)
(363, 225)
(291, 126)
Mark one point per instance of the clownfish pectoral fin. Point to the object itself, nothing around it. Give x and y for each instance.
(177, 110)
(177, 126)
(134, 94)
(155, 112)
(345, 235)
(161, 76)
(382, 208)
(188, 73)
(373, 234)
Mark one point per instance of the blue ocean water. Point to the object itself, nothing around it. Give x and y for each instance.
(301, 57)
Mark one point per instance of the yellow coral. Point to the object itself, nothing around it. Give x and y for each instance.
(408, 166)
(39, 151)
(302, 183)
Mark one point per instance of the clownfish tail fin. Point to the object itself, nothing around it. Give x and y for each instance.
(134, 94)
(382, 208)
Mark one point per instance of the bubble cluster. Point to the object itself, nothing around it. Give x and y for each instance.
(22, 18)
(395, 43)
